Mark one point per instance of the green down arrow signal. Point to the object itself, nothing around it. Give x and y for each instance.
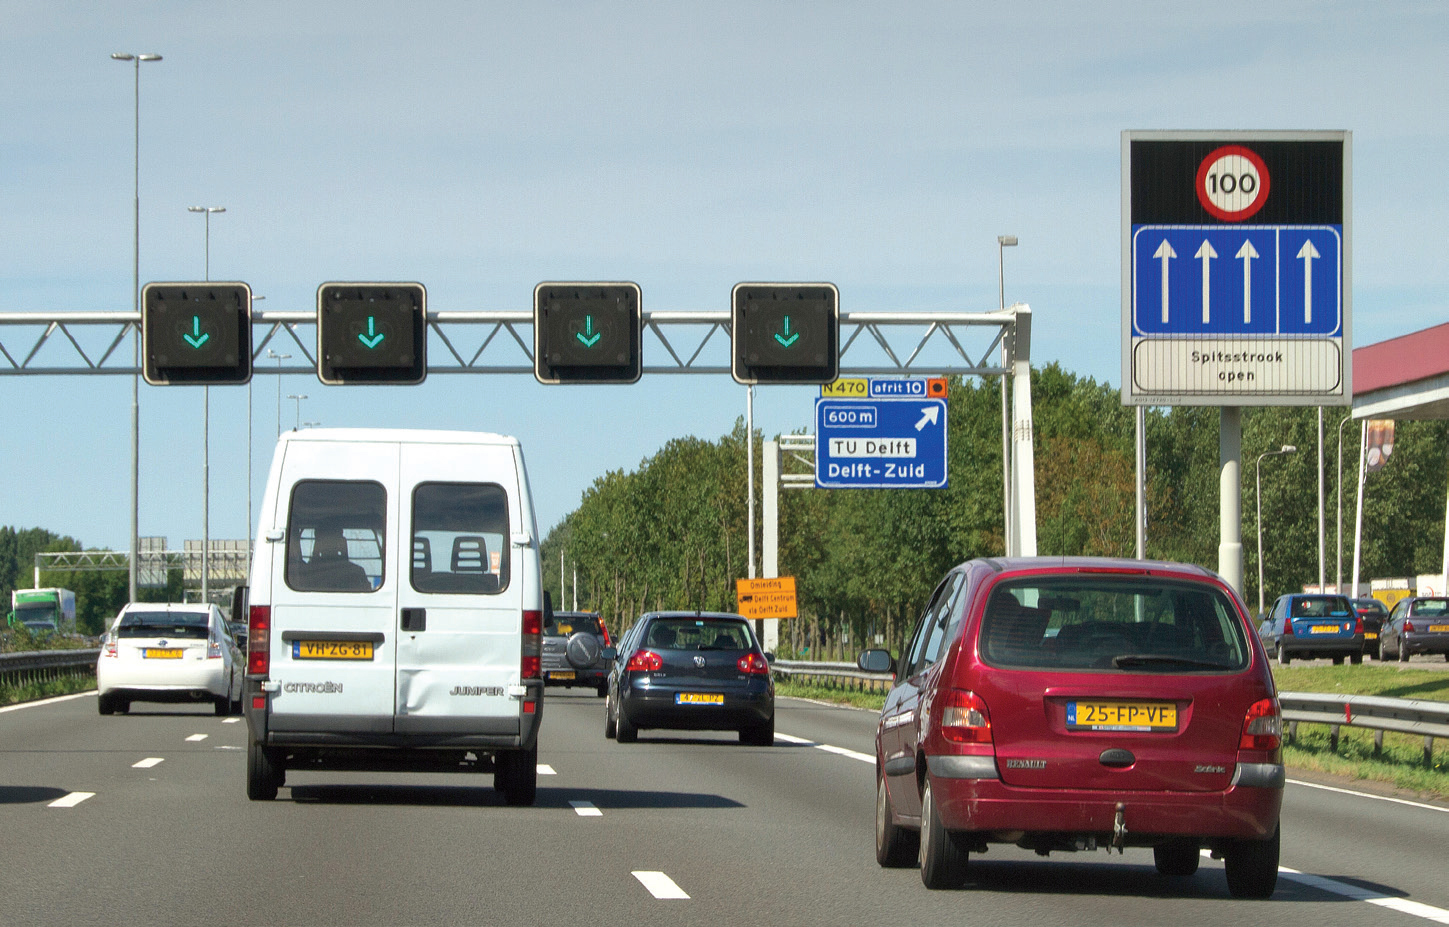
(196, 339)
(373, 338)
(593, 336)
(787, 339)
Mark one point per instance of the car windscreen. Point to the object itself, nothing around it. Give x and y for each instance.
(1128, 625)
(564, 624)
(192, 625)
(697, 634)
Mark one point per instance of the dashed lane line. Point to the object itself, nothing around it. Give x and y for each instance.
(232, 721)
(148, 762)
(660, 885)
(71, 800)
(586, 809)
(197, 738)
(546, 770)
(828, 748)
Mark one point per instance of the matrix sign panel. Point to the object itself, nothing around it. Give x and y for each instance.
(785, 332)
(587, 332)
(1235, 269)
(196, 333)
(372, 333)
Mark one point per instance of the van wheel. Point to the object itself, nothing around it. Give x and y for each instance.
(1252, 866)
(264, 774)
(1177, 857)
(515, 776)
(625, 731)
(943, 860)
(895, 847)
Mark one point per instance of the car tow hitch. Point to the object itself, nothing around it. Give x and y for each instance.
(1119, 827)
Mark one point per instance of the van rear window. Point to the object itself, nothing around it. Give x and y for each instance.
(460, 534)
(1127, 625)
(335, 536)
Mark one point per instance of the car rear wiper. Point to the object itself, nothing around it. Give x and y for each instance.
(1126, 660)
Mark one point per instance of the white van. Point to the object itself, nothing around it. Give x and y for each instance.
(395, 609)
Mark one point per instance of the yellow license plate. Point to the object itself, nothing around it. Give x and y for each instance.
(1324, 629)
(1370, 636)
(332, 650)
(163, 653)
(561, 674)
(1439, 628)
(1121, 716)
(699, 698)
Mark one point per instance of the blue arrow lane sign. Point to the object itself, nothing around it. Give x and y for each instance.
(880, 443)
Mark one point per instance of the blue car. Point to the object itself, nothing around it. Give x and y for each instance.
(1312, 626)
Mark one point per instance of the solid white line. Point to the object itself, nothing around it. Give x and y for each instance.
(586, 809)
(659, 884)
(196, 738)
(1403, 905)
(546, 770)
(48, 701)
(1397, 801)
(828, 748)
(71, 800)
(148, 762)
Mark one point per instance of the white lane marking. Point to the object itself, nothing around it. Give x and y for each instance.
(148, 762)
(828, 748)
(232, 721)
(196, 738)
(1397, 801)
(48, 701)
(546, 770)
(586, 809)
(1403, 905)
(71, 800)
(659, 884)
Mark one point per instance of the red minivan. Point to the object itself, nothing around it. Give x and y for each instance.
(1075, 704)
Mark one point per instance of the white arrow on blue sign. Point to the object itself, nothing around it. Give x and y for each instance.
(880, 443)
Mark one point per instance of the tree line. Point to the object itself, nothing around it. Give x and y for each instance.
(672, 533)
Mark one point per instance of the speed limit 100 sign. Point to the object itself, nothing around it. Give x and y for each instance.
(1232, 183)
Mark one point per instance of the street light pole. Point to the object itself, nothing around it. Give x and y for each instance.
(1002, 243)
(273, 355)
(299, 399)
(1285, 449)
(136, 59)
(206, 212)
(1338, 578)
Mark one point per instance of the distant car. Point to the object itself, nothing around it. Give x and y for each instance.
(1373, 612)
(573, 651)
(169, 653)
(696, 671)
(1313, 625)
(1418, 624)
(1064, 704)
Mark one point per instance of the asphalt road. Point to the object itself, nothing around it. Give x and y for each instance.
(778, 835)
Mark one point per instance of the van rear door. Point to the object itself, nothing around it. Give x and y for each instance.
(460, 603)
(334, 588)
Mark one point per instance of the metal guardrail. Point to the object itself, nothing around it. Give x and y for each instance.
(19, 669)
(841, 675)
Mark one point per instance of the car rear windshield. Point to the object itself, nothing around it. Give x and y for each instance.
(698, 634)
(1126, 625)
(566, 624)
(163, 624)
(1321, 606)
(1431, 606)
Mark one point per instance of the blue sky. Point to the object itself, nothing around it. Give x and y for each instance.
(481, 148)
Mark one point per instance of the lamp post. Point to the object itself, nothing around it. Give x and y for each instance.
(1285, 449)
(299, 399)
(136, 60)
(1338, 577)
(1002, 243)
(206, 212)
(273, 355)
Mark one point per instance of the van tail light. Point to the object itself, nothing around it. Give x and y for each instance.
(754, 664)
(532, 664)
(1262, 726)
(644, 661)
(259, 640)
(964, 719)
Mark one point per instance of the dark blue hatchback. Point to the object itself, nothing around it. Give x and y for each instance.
(1313, 625)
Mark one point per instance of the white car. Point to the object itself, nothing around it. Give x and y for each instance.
(169, 653)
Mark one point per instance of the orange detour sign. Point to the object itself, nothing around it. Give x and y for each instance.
(766, 598)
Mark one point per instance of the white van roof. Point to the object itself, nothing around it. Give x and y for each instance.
(404, 435)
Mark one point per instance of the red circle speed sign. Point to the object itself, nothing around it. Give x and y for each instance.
(1232, 183)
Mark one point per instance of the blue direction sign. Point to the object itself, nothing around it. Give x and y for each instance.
(1237, 280)
(880, 443)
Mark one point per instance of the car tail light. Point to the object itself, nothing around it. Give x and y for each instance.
(964, 719)
(532, 664)
(110, 650)
(1262, 726)
(604, 631)
(754, 664)
(213, 650)
(259, 640)
(644, 661)
(1358, 626)
(1288, 627)
(1408, 626)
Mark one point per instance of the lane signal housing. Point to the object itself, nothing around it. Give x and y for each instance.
(784, 333)
(196, 333)
(587, 332)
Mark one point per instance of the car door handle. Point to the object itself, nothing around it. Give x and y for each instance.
(415, 619)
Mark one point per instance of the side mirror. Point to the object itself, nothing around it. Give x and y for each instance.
(769, 656)
(875, 661)
(608, 653)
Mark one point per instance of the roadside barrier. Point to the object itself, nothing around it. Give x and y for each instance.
(22, 669)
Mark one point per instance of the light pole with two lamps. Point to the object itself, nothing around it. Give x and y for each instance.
(299, 399)
(1285, 449)
(206, 211)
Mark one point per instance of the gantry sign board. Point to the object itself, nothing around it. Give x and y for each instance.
(1236, 283)
(893, 437)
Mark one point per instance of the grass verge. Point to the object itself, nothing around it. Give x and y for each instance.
(66, 685)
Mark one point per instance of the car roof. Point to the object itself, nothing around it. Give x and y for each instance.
(1030, 564)
(184, 607)
(404, 435)
(692, 614)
